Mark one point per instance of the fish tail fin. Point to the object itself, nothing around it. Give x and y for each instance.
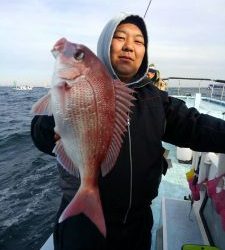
(88, 203)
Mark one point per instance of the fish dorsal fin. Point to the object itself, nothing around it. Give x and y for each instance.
(64, 160)
(123, 98)
(43, 106)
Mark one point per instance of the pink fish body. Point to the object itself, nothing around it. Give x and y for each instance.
(90, 111)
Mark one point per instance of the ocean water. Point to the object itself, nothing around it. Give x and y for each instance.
(29, 190)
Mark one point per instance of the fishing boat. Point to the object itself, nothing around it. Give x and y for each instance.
(23, 87)
(216, 86)
(187, 212)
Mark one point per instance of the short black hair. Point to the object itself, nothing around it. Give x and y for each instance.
(151, 70)
(136, 20)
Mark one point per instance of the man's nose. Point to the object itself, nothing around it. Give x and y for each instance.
(128, 46)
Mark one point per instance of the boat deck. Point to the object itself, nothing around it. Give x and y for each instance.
(174, 185)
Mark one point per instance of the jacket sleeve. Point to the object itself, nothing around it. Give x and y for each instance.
(42, 133)
(186, 127)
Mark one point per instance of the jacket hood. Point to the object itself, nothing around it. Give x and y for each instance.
(105, 39)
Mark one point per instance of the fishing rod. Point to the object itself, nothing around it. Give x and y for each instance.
(147, 8)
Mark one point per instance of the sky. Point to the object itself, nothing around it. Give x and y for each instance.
(186, 38)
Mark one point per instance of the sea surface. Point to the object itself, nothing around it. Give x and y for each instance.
(29, 190)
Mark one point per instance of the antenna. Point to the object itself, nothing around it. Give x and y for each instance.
(147, 8)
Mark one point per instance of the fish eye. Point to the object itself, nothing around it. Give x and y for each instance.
(79, 55)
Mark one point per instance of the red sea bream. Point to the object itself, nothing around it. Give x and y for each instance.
(91, 112)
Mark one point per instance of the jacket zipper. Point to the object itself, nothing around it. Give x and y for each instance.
(131, 172)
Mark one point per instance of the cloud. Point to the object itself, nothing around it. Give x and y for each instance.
(185, 38)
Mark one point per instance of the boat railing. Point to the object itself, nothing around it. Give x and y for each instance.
(209, 88)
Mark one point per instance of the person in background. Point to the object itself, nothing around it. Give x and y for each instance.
(154, 75)
(128, 190)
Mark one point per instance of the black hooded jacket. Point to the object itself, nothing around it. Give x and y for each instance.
(133, 182)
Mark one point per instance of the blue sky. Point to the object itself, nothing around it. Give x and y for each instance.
(186, 38)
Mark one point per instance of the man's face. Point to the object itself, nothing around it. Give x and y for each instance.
(127, 51)
(150, 75)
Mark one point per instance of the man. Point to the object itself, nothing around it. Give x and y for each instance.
(127, 191)
(154, 76)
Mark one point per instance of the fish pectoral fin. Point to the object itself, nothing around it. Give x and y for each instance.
(64, 160)
(43, 106)
(123, 103)
(88, 203)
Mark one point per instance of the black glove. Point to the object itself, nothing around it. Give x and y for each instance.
(42, 133)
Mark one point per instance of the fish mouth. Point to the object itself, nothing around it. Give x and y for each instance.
(63, 84)
(69, 83)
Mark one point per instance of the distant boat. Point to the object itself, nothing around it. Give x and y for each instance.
(215, 86)
(22, 87)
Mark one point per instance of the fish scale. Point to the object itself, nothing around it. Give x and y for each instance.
(88, 123)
